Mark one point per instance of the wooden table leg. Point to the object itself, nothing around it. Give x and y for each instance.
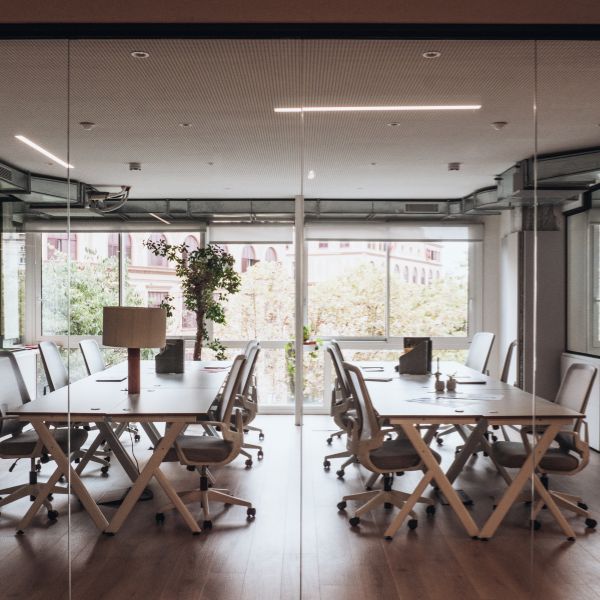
(144, 477)
(440, 478)
(64, 468)
(470, 446)
(514, 489)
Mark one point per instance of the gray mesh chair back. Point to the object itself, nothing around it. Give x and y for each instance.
(367, 417)
(338, 364)
(575, 388)
(508, 361)
(479, 351)
(13, 393)
(248, 370)
(92, 356)
(232, 385)
(249, 347)
(55, 370)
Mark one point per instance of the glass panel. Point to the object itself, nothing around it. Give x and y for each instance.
(346, 288)
(429, 289)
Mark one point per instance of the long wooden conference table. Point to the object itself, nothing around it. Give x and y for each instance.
(408, 401)
(411, 402)
(102, 398)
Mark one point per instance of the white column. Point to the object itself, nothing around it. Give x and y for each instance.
(299, 255)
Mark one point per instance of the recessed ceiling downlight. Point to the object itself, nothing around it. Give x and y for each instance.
(140, 54)
(431, 54)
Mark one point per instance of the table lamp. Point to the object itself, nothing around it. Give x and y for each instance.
(134, 328)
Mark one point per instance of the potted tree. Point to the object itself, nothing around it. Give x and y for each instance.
(207, 279)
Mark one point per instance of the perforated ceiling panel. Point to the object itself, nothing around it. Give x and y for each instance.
(236, 146)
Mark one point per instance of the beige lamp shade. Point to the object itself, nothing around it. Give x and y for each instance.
(134, 327)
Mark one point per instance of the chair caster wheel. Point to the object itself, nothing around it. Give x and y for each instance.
(439, 441)
(342, 505)
(20, 532)
(389, 538)
(430, 510)
(261, 436)
(457, 451)
(340, 473)
(38, 468)
(368, 488)
(389, 438)
(196, 532)
(591, 523)
(570, 539)
(326, 465)
(62, 479)
(485, 454)
(260, 455)
(77, 460)
(582, 505)
(249, 463)
(191, 468)
(251, 513)
(206, 524)
(536, 525)
(104, 471)
(159, 518)
(107, 458)
(354, 521)
(137, 437)
(50, 497)
(494, 438)
(52, 515)
(413, 524)
(388, 505)
(329, 440)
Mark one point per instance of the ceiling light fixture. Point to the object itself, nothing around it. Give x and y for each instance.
(87, 125)
(185, 124)
(43, 151)
(140, 54)
(498, 125)
(393, 124)
(431, 54)
(311, 174)
(159, 218)
(405, 107)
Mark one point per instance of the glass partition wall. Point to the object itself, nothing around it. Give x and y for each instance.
(366, 191)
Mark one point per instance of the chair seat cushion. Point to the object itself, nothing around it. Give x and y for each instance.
(513, 454)
(200, 449)
(23, 445)
(396, 455)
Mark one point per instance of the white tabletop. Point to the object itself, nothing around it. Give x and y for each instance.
(162, 395)
(414, 396)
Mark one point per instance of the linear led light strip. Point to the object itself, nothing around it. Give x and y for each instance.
(43, 151)
(300, 109)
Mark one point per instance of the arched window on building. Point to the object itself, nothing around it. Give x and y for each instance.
(430, 276)
(397, 269)
(153, 260)
(270, 255)
(113, 245)
(192, 243)
(127, 240)
(423, 276)
(415, 275)
(406, 274)
(61, 243)
(248, 258)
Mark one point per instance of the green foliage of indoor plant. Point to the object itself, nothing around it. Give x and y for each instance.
(207, 279)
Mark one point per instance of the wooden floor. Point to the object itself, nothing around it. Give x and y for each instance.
(269, 559)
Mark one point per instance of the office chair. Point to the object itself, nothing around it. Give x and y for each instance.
(571, 453)
(247, 401)
(94, 363)
(342, 407)
(366, 439)
(477, 359)
(26, 444)
(57, 377)
(210, 451)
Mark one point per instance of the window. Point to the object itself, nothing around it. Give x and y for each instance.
(346, 292)
(60, 243)
(344, 244)
(155, 299)
(270, 255)
(323, 245)
(406, 274)
(127, 239)
(153, 260)
(94, 283)
(438, 309)
(113, 244)
(248, 258)
(12, 303)
(192, 243)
